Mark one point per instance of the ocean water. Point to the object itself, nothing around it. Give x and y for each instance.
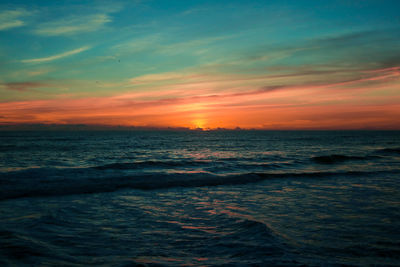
(200, 198)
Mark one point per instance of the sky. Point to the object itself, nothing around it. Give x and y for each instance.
(201, 64)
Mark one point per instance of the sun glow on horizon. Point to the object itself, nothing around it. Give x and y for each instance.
(199, 123)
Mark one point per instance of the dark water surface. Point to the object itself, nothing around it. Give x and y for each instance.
(218, 198)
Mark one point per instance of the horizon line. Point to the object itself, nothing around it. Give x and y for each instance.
(105, 127)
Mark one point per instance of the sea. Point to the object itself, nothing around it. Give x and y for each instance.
(199, 198)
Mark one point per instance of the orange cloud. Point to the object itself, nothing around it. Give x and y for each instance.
(368, 101)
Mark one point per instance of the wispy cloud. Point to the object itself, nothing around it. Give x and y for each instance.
(195, 10)
(137, 45)
(160, 43)
(73, 25)
(55, 57)
(229, 111)
(190, 45)
(210, 100)
(22, 86)
(12, 19)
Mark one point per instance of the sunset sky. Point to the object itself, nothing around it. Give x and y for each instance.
(251, 64)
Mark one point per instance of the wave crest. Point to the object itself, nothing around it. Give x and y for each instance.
(149, 164)
(16, 185)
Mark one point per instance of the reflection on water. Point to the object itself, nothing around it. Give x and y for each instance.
(201, 199)
(311, 222)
